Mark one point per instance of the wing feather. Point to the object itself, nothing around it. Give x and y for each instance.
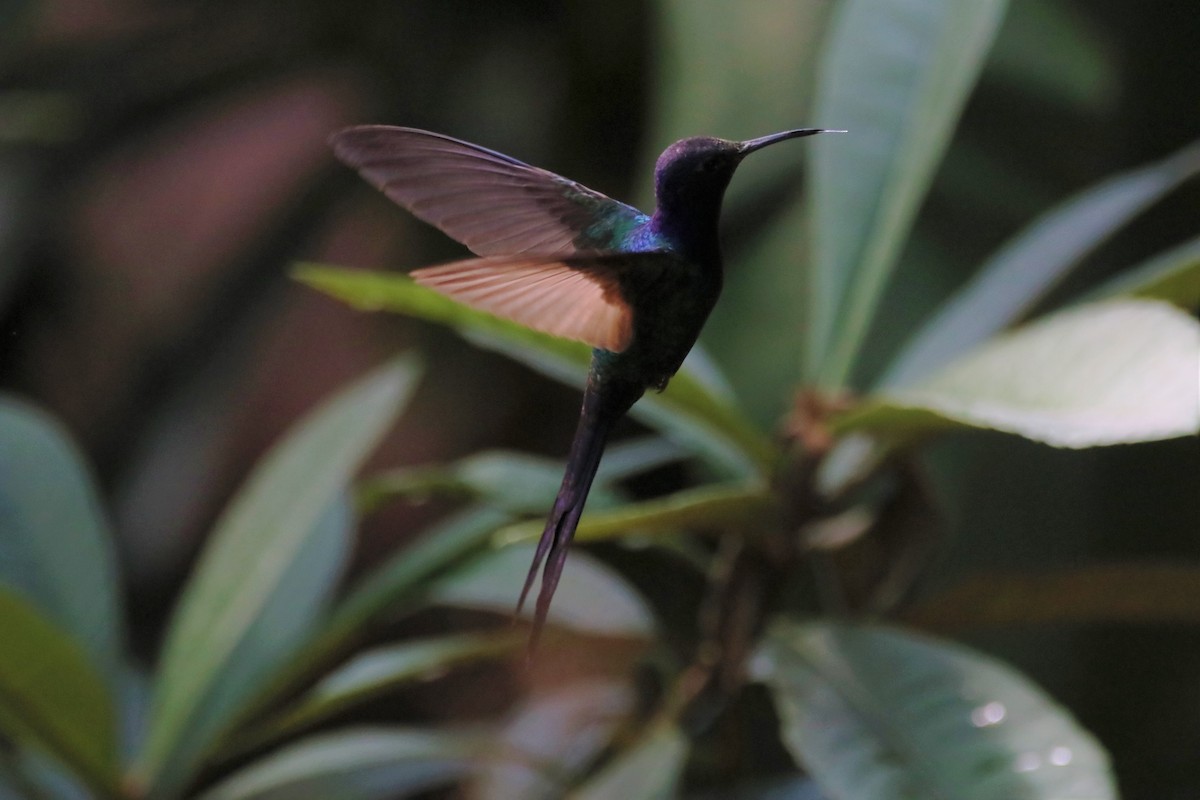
(493, 204)
(577, 297)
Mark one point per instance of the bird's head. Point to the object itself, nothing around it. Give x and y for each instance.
(696, 171)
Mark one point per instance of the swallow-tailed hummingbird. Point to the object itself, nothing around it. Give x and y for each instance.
(561, 258)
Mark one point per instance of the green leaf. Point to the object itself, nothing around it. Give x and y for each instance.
(517, 482)
(272, 561)
(1173, 276)
(756, 330)
(401, 584)
(406, 578)
(1026, 268)
(718, 507)
(386, 667)
(736, 76)
(591, 597)
(56, 547)
(354, 764)
(649, 770)
(1099, 374)
(376, 672)
(37, 776)
(1059, 54)
(51, 697)
(873, 712)
(688, 411)
(896, 74)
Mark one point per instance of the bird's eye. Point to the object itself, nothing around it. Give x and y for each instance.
(709, 164)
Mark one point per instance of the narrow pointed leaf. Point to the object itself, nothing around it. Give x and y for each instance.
(354, 764)
(1024, 270)
(650, 770)
(708, 508)
(51, 698)
(376, 672)
(877, 713)
(591, 597)
(405, 579)
(56, 547)
(516, 482)
(38, 775)
(273, 559)
(687, 411)
(386, 667)
(401, 584)
(522, 483)
(896, 74)
(1099, 374)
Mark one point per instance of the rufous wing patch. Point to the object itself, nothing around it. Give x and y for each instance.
(574, 301)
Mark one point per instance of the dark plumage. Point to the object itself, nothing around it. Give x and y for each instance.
(563, 259)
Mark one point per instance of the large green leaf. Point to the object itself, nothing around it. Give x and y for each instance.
(52, 698)
(273, 559)
(689, 410)
(1022, 271)
(55, 544)
(649, 770)
(591, 597)
(354, 764)
(873, 712)
(1098, 374)
(896, 74)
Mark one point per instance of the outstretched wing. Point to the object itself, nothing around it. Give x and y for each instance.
(579, 297)
(493, 204)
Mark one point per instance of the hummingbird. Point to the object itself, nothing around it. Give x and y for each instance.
(558, 257)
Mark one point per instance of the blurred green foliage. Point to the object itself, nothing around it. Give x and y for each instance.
(201, 591)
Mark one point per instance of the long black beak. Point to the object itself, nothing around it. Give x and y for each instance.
(749, 146)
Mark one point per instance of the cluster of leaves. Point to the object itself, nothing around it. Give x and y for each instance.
(261, 649)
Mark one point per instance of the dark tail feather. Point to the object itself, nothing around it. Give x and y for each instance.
(582, 463)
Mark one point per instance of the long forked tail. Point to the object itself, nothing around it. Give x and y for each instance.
(595, 421)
